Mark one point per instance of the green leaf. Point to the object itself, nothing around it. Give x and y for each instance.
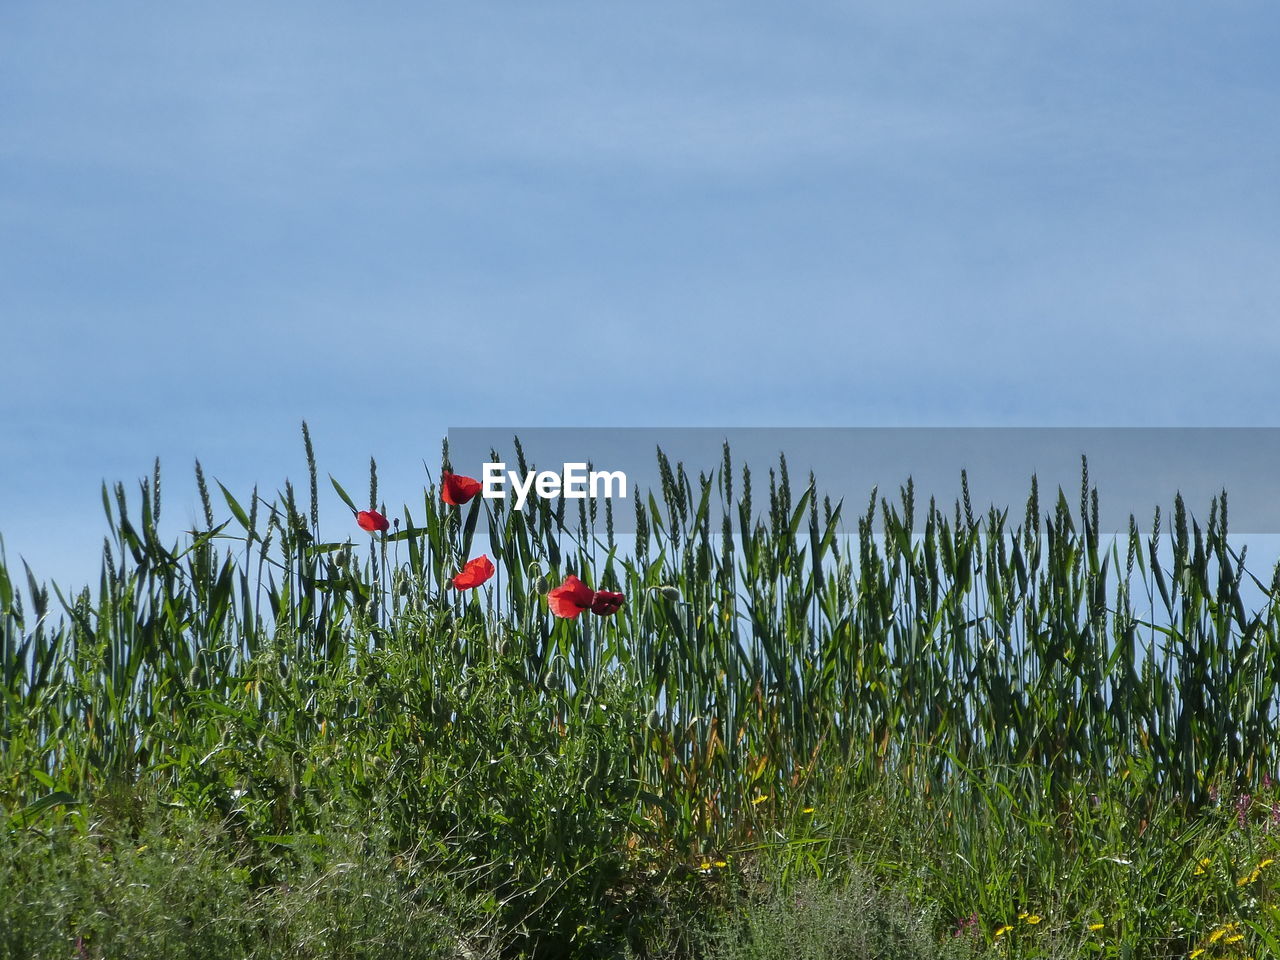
(6, 590)
(346, 498)
(237, 511)
(33, 810)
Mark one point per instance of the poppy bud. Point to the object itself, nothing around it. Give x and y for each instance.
(541, 584)
(670, 593)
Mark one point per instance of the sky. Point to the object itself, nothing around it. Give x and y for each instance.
(389, 220)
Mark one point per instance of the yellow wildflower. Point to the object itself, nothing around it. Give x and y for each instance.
(1222, 932)
(1003, 930)
(1202, 867)
(1096, 926)
(1032, 918)
(1257, 872)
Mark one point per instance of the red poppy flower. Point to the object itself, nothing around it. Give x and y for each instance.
(570, 598)
(456, 489)
(606, 602)
(372, 521)
(476, 572)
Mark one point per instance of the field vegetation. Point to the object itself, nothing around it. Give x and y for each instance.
(813, 729)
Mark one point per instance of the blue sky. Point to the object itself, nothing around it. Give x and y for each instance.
(390, 220)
